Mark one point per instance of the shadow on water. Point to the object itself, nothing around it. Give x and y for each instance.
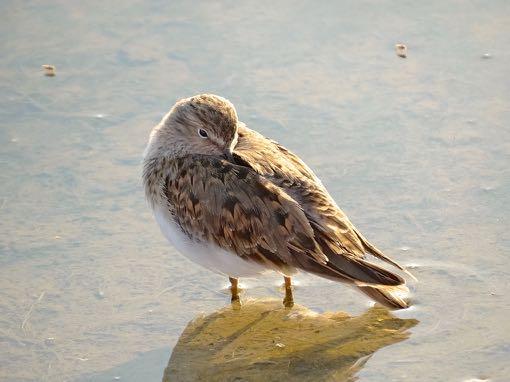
(265, 341)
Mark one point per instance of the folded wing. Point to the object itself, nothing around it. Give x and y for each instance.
(247, 214)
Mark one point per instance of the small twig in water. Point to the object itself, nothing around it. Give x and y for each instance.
(29, 313)
(166, 290)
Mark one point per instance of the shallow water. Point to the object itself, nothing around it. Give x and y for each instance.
(416, 151)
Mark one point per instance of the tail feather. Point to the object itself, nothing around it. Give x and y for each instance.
(395, 297)
(376, 252)
(363, 271)
(377, 283)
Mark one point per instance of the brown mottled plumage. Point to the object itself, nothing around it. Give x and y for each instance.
(231, 199)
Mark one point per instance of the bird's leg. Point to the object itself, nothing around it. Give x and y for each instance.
(288, 301)
(234, 290)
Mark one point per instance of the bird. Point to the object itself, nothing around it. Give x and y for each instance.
(240, 204)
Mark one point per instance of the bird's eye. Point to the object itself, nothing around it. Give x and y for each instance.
(202, 133)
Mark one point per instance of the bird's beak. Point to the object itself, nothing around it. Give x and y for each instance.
(227, 155)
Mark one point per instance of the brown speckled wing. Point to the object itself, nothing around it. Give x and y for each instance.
(237, 209)
(234, 207)
(334, 233)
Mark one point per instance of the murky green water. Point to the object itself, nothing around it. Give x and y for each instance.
(415, 150)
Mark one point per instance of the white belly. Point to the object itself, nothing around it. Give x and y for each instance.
(209, 256)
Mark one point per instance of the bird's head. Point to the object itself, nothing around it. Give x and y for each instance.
(203, 124)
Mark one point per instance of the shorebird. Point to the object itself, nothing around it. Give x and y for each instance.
(241, 204)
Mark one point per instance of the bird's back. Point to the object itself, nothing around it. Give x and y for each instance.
(289, 172)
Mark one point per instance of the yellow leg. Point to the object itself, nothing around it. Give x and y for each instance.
(288, 301)
(234, 289)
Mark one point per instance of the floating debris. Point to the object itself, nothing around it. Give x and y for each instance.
(401, 50)
(279, 345)
(29, 313)
(486, 55)
(99, 294)
(49, 70)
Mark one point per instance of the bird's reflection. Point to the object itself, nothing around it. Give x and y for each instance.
(263, 341)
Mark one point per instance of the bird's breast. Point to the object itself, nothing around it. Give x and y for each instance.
(206, 254)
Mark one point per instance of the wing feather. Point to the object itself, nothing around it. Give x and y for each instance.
(239, 210)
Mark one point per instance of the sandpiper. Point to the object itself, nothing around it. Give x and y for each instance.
(240, 204)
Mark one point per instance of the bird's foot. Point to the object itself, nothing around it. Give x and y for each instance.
(235, 298)
(288, 301)
(235, 302)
